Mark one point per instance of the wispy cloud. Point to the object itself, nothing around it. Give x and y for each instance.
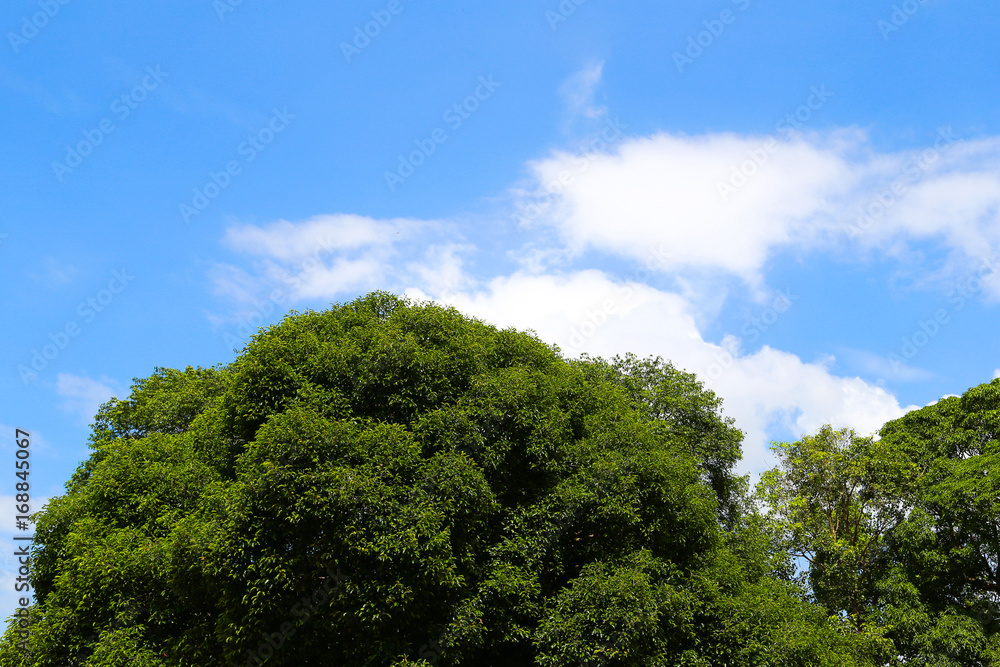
(55, 273)
(881, 366)
(82, 395)
(579, 92)
(333, 256)
(42, 96)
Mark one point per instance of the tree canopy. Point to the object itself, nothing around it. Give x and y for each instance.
(391, 483)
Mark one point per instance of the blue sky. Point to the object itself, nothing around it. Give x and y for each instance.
(800, 202)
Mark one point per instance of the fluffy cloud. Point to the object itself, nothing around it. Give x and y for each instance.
(663, 190)
(727, 203)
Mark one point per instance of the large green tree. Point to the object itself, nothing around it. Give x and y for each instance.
(902, 532)
(391, 483)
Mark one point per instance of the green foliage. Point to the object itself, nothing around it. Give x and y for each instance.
(942, 582)
(390, 483)
(838, 496)
(902, 532)
(689, 414)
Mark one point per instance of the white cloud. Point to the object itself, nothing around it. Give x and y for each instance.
(936, 401)
(774, 386)
(56, 273)
(883, 367)
(319, 235)
(4, 430)
(663, 190)
(996, 374)
(333, 255)
(727, 203)
(83, 395)
(38, 442)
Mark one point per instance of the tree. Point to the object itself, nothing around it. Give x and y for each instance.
(941, 587)
(391, 483)
(902, 532)
(838, 496)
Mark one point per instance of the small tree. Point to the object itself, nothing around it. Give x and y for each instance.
(838, 496)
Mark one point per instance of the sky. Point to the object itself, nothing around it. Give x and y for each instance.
(798, 202)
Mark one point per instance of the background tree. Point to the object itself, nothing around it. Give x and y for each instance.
(941, 590)
(390, 483)
(903, 532)
(838, 496)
